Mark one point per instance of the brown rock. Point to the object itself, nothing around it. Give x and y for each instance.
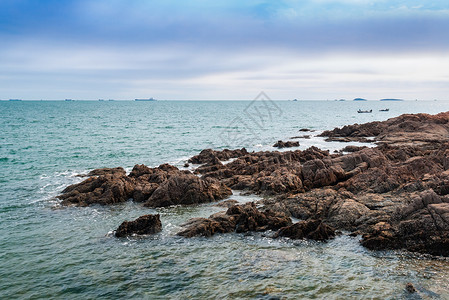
(105, 189)
(147, 224)
(238, 218)
(288, 144)
(187, 189)
(410, 288)
(104, 171)
(309, 229)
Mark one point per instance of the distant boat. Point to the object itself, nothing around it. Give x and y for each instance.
(111, 100)
(100, 99)
(150, 99)
(365, 111)
(15, 99)
(360, 99)
(387, 109)
(391, 99)
(69, 100)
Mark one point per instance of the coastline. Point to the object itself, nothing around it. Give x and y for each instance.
(393, 195)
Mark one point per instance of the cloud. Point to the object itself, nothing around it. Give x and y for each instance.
(222, 49)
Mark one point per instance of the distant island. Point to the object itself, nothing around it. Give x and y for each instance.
(360, 99)
(391, 100)
(150, 99)
(15, 99)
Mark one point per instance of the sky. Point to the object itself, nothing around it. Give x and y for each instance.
(198, 50)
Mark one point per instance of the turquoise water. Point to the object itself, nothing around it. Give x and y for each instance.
(67, 253)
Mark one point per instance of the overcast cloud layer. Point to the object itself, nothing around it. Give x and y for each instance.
(313, 49)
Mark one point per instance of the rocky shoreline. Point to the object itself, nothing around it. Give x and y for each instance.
(395, 195)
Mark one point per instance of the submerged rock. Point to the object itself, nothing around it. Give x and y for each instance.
(147, 224)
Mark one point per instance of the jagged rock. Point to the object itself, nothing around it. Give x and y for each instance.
(147, 224)
(162, 186)
(410, 288)
(352, 148)
(403, 130)
(208, 155)
(288, 144)
(182, 188)
(104, 171)
(238, 218)
(104, 189)
(309, 229)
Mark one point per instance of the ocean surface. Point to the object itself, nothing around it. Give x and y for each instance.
(53, 252)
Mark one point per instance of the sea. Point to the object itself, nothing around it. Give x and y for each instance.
(53, 252)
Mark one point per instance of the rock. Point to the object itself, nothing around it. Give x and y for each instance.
(208, 155)
(396, 195)
(185, 189)
(238, 218)
(304, 130)
(288, 144)
(309, 229)
(104, 189)
(162, 186)
(300, 137)
(147, 224)
(104, 171)
(410, 288)
(352, 148)
(403, 130)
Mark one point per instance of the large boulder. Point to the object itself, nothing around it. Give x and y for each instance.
(147, 224)
(183, 188)
(104, 189)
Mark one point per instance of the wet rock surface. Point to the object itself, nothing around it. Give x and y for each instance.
(309, 229)
(147, 224)
(156, 187)
(288, 144)
(238, 218)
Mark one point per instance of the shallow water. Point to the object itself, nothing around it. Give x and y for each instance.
(53, 252)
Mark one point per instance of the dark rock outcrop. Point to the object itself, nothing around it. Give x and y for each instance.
(209, 155)
(288, 144)
(156, 187)
(403, 130)
(238, 218)
(187, 189)
(309, 229)
(147, 224)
